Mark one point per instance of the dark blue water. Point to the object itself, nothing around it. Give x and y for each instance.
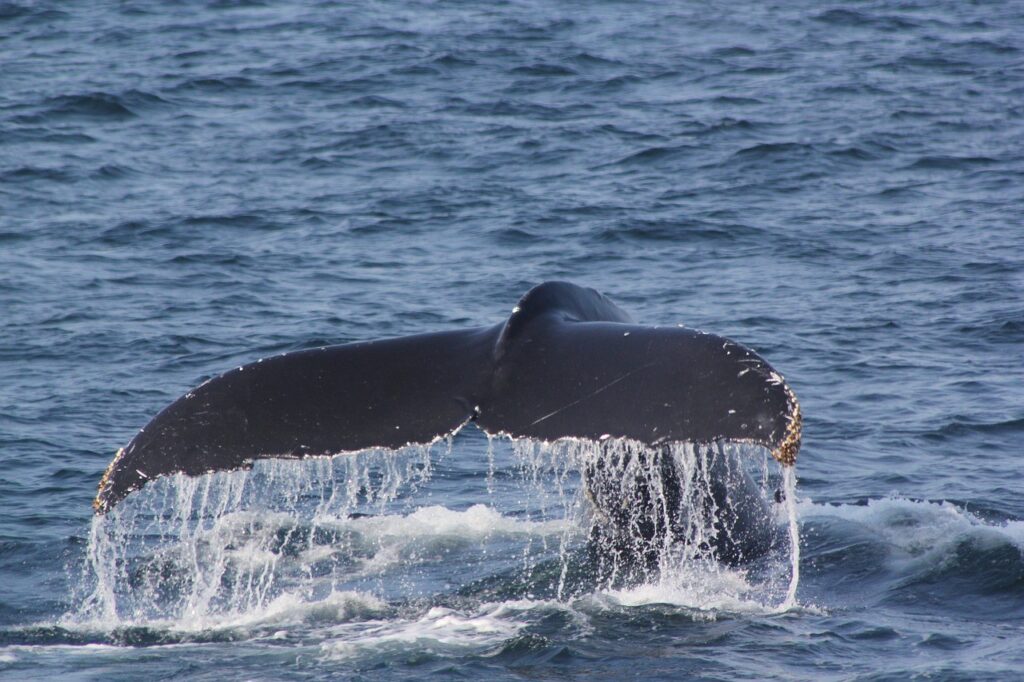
(838, 185)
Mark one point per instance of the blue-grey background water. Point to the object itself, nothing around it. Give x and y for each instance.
(187, 187)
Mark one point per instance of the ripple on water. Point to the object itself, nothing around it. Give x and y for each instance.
(839, 186)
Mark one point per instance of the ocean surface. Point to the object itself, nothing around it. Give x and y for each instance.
(186, 187)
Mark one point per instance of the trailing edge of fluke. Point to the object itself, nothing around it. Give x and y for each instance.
(568, 363)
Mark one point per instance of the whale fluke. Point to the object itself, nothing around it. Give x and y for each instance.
(567, 363)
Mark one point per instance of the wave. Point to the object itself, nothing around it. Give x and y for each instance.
(678, 231)
(102, 105)
(769, 150)
(961, 425)
(951, 162)
(917, 554)
(847, 18)
(543, 69)
(653, 155)
(33, 174)
(917, 527)
(10, 11)
(215, 85)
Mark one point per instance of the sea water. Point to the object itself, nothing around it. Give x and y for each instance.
(185, 188)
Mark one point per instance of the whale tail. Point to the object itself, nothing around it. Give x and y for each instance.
(568, 363)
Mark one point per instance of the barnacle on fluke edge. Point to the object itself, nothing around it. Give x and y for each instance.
(787, 451)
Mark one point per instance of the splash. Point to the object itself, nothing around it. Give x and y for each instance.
(359, 534)
(921, 531)
(440, 629)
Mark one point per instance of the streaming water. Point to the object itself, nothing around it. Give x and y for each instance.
(789, 492)
(188, 548)
(615, 517)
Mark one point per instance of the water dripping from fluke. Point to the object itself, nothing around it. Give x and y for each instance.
(789, 491)
(192, 551)
(695, 526)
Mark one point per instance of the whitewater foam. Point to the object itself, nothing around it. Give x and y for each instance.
(440, 630)
(918, 527)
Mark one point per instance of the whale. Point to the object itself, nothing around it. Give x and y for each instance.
(568, 363)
